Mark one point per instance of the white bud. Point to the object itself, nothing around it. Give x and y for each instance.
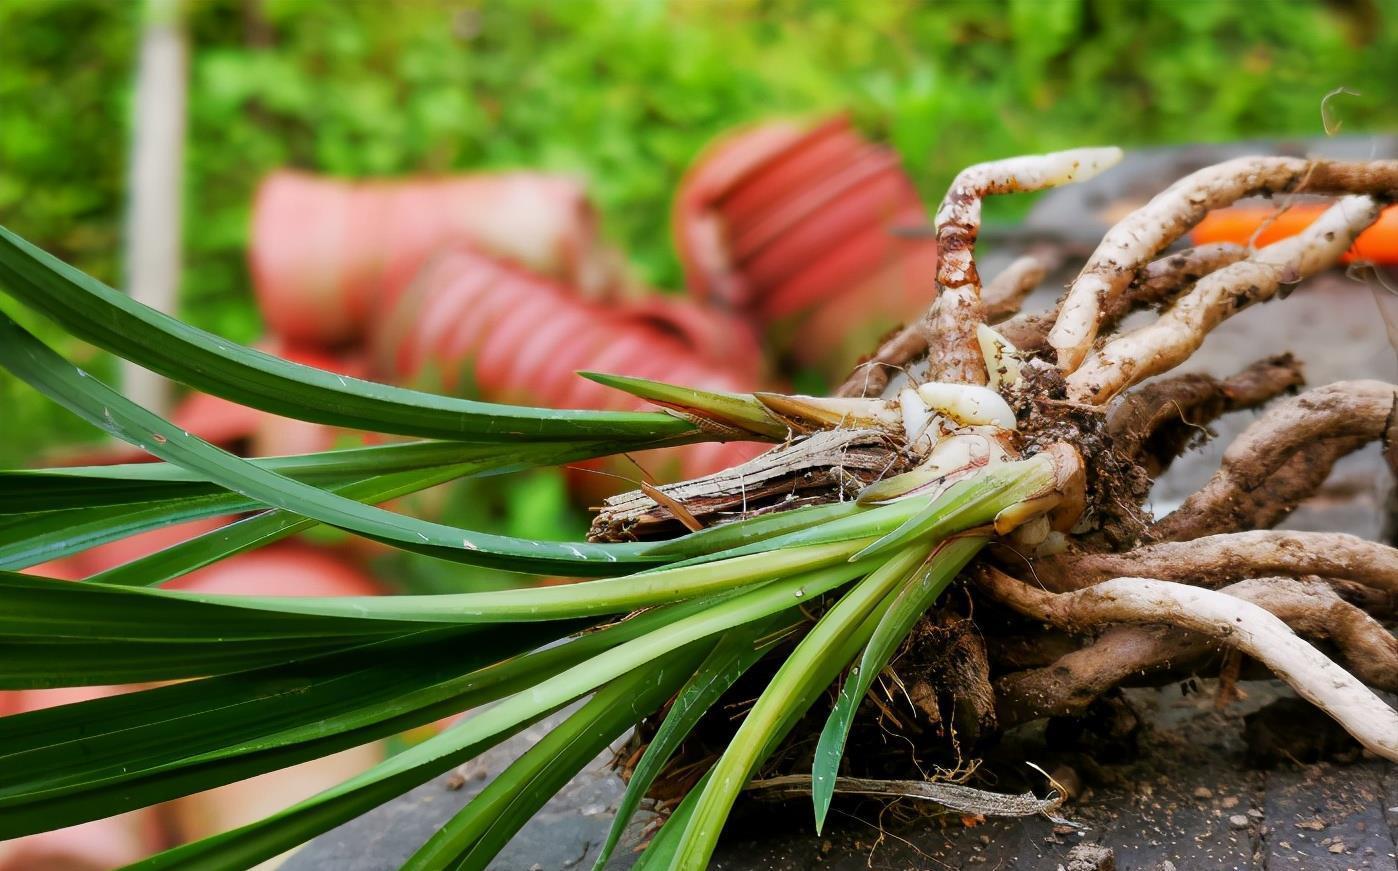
(1001, 358)
(968, 404)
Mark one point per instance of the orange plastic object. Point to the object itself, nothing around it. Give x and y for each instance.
(1378, 244)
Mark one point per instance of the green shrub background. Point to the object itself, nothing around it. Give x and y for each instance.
(624, 94)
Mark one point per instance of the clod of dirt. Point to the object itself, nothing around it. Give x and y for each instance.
(1090, 857)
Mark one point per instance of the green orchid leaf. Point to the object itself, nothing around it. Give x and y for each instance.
(705, 408)
(103, 407)
(33, 607)
(261, 840)
(810, 668)
(471, 838)
(971, 502)
(737, 651)
(34, 490)
(115, 322)
(917, 594)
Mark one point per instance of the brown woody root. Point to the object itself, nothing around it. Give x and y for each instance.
(1241, 624)
(1155, 424)
(1282, 458)
(1150, 229)
(1220, 506)
(1156, 283)
(1364, 409)
(1005, 293)
(871, 376)
(1181, 329)
(1217, 559)
(949, 329)
(1264, 475)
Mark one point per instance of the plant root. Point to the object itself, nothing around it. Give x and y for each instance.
(949, 329)
(1005, 293)
(1074, 681)
(1283, 457)
(1217, 559)
(1237, 623)
(952, 690)
(1222, 506)
(1181, 329)
(1158, 422)
(1150, 229)
(1143, 591)
(1001, 299)
(1156, 283)
(1365, 409)
(871, 376)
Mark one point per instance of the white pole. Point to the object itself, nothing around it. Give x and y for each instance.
(152, 254)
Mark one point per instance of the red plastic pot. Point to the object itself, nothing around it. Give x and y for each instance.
(324, 250)
(471, 324)
(797, 228)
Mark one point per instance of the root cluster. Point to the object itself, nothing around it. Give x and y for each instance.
(1051, 625)
(1211, 575)
(1128, 599)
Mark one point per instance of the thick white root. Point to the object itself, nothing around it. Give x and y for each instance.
(1181, 329)
(1229, 620)
(950, 327)
(1151, 228)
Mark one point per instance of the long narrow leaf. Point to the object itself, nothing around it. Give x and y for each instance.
(105, 757)
(33, 490)
(737, 651)
(29, 539)
(660, 853)
(103, 407)
(475, 834)
(252, 843)
(90, 310)
(806, 671)
(845, 525)
(261, 530)
(972, 502)
(42, 609)
(42, 664)
(729, 536)
(32, 607)
(916, 595)
(92, 759)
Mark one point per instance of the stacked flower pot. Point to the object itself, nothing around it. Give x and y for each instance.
(810, 231)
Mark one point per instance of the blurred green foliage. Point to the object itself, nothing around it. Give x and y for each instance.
(624, 94)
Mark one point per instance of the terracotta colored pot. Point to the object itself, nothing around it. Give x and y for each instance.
(785, 222)
(323, 251)
(469, 324)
